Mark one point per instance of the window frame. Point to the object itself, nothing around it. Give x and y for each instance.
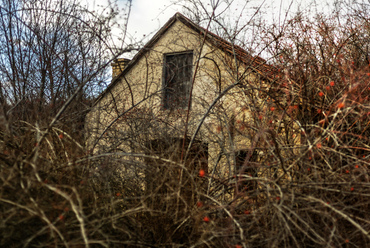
(180, 104)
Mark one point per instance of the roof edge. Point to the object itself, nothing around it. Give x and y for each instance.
(216, 40)
(138, 55)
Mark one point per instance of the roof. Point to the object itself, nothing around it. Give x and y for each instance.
(256, 63)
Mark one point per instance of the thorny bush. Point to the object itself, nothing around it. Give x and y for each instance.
(311, 188)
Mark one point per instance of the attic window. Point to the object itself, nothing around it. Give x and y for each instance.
(177, 80)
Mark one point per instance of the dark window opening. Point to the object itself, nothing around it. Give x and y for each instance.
(246, 164)
(164, 177)
(177, 80)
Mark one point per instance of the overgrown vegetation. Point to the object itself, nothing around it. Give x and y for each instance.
(309, 185)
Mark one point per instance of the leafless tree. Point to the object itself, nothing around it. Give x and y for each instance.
(303, 181)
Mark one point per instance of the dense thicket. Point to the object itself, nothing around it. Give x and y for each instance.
(316, 149)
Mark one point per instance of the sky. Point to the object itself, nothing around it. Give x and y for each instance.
(147, 16)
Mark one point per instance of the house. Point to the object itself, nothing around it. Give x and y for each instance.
(190, 98)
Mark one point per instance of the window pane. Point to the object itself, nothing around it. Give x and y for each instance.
(178, 74)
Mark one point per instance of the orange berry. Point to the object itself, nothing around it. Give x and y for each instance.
(260, 117)
(61, 136)
(347, 241)
(318, 145)
(238, 246)
(327, 88)
(356, 166)
(341, 105)
(368, 74)
(61, 217)
(199, 204)
(352, 188)
(309, 169)
(278, 198)
(321, 93)
(247, 212)
(206, 219)
(332, 83)
(272, 108)
(118, 194)
(347, 171)
(202, 173)
(218, 129)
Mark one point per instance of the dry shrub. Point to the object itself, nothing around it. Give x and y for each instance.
(310, 187)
